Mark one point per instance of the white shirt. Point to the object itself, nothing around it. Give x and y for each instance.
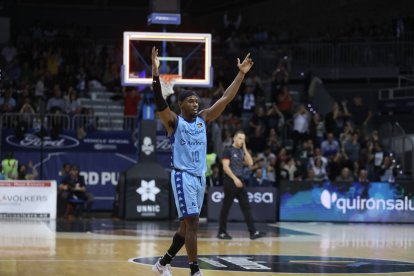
(301, 123)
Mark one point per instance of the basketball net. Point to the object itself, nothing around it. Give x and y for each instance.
(167, 84)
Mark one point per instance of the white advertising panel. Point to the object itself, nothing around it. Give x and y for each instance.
(28, 199)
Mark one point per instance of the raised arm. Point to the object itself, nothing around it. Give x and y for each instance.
(248, 160)
(218, 107)
(167, 116)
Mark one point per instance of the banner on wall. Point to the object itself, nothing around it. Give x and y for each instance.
(100, 170)
(101, 156)
(347, 202)
(28, 199)
(97, 141)
(263, 202)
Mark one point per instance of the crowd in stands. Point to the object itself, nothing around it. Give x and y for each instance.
(292, 141)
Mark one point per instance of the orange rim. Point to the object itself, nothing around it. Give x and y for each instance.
(168, 78)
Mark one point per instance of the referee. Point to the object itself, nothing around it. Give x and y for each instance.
(233, 160)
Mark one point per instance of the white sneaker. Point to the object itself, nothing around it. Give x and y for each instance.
(163, 270)
(198, 273)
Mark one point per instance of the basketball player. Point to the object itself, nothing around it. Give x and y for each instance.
(233, 160)
(187, 133)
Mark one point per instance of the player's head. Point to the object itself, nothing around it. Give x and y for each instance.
(188, 102)
(239, 138)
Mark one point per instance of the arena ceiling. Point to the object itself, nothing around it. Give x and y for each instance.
(193, 7)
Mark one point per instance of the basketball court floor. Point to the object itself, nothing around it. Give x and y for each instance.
(112, 247)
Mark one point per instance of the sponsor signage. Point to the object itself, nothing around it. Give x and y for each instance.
(98, 141)
(263, 202)
(148, 198)
(28, 199)
(164, 18)
(348, 202)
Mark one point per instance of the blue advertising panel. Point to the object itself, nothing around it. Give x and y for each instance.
(263, 202)
(98, 141)
(346, 202)
(100, 170)
(101, 156)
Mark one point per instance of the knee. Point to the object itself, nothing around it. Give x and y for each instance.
(192, 224)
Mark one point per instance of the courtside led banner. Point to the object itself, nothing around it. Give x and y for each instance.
(28, 199)
(263, 202)
(347, 201)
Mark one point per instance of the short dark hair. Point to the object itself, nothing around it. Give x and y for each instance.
(185, 94)
(239, 131)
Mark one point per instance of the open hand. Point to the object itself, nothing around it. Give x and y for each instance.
(245, 66)
(155, 61)
(238, 183)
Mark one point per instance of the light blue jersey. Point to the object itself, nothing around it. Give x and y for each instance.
(189, 146)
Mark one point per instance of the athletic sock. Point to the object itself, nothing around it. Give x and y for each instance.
(177, 244)
(194, 268)
(166, 259)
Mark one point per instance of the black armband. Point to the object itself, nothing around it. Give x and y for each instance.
(159, 100)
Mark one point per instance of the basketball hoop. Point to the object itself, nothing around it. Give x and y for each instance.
(167, 84)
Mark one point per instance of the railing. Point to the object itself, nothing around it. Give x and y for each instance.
(394, 138)
(405, 80)
(396, 93)
(35, 123)
(341, 60)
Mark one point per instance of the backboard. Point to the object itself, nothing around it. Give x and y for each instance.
(185, 54)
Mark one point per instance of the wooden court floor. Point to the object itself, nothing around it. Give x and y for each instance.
(107, 247)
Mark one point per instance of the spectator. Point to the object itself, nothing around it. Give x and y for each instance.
(388, 170)
(7, 102)
(285, 103)
(57, 102)
(361, 114)
(310, 175)
(275, 119)
(257, 179)
(345, 175)
(335, 120)
(335, 166)
(257, 142)
(351, 150)
(249, 105)
(317, 128)
(231, 24)
(272, 141)
(73, 186)
(363, 176)
(303, 156)
(22, 173)
(2, 175)
(9, 52)
(290, 167)
(376, 158)
(279, 80)
(215, 178)
(9, 165)
(330, 146)
(131, 101)
(319, 171)
(73, 104)
(258, 119)
(300, 126)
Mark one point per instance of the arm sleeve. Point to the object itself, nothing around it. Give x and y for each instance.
(160, 103)
(226, 153)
